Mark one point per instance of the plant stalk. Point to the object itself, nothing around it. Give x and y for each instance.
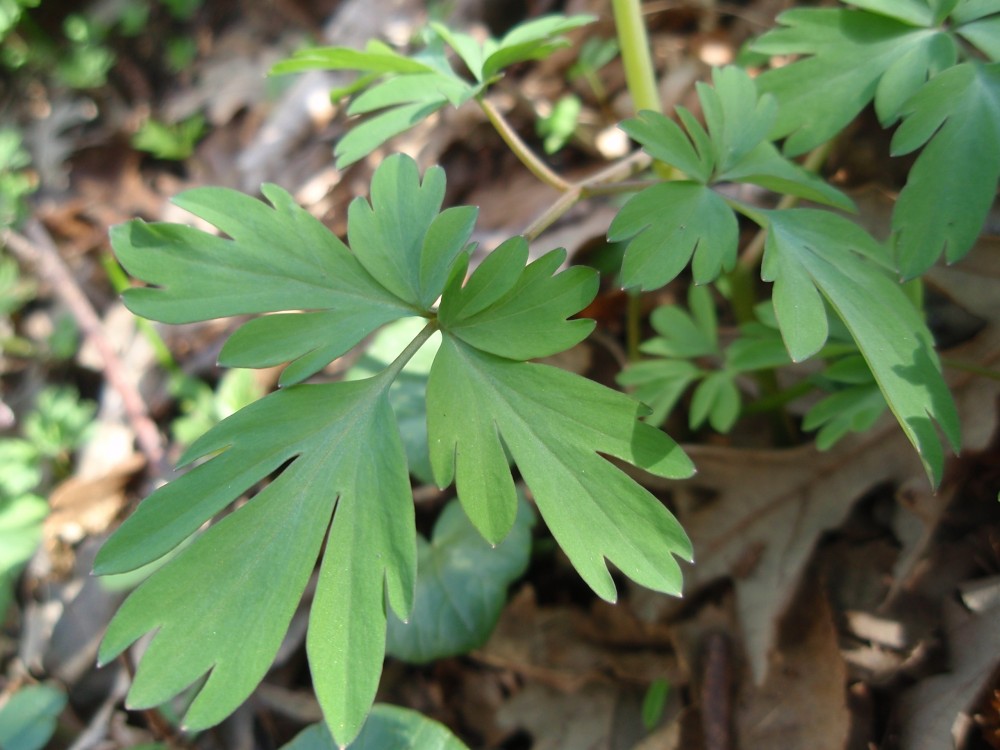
(391, 372)
(634, 44)
(521, 149)
(640, 77)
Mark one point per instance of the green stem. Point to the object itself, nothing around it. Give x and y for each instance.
(391, 372)
(607, 181)
(634, 44)
(521, 149)
(640, 77)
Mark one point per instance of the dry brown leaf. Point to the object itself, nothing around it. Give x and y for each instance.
(934, 713)
(598, 717)
(803, 703)
(769, 510)
(84, 506)
(567, 649)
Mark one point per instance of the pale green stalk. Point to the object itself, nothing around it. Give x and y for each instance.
(641, 79)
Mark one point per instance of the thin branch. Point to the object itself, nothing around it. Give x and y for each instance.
(521, 149)
(38, 249)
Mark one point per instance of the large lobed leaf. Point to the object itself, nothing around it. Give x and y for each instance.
(814, 256)
(333, 452)
(951, 186)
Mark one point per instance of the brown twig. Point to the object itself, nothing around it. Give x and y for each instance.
(36, 247)
(717, 693)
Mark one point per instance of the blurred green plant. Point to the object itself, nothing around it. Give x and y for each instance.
(58, 424)
(169, 141)
(28, 717)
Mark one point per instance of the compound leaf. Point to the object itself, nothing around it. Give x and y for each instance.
(461, 586)
(344, 460)
(832, 257)
(953, 182)
(669, 223)
(659, 383)
(554, 424)
(519, 311)
(846, 54)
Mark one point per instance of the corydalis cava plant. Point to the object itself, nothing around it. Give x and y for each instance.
(334, 451)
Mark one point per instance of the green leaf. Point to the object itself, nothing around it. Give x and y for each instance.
(766, 167)
(653, 703)
(759, 347)
(461, 586)
(681, 334)
(21, 461)
(952, 184)
(532, 40)
(470, 50)
(344, 460)
(420, 87)
(401, 238)
(972, 10)
(846, 52)
(362, 139)
(377, 58)
(853, 409)
(387, 727)
(659, 383)
(21, 519)
(518, 311)
(717, 400)
(554, 424)
(829, 255)
(913, 12)
(984, 34)
(669, 223)
(277, 259)
(28, 718)
(736, 117)
(663, 139)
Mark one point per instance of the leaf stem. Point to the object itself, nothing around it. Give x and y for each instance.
(521, 150)
(397, 365)
(607, 181)
(634, 45)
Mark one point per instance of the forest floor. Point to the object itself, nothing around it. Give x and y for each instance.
(836, 603)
